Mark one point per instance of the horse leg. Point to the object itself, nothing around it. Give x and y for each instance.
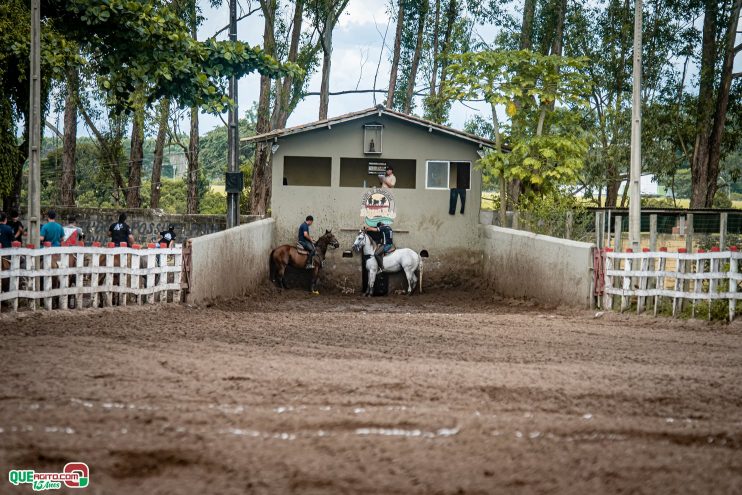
(371, 280)
(315, 277)
(280, 279)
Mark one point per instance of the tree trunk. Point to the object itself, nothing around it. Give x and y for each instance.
(159, 153)
(324, 97)
(260, 193)
(416, 57)
(700, 165)
(136, 155)
(446, 48)
(281, 108)
(67, 181)
(526, 29)
(395, 56)
(722, 104)
(436, 28)
(193, 173)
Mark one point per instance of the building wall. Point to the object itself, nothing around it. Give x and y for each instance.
(422, 219)
(230, 263)
(527, 265)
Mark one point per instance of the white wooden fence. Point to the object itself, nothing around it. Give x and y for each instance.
(645, 278)
(77, 277)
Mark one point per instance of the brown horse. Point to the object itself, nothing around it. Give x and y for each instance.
(288, 255)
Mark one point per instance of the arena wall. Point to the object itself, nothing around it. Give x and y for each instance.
(230, 263)
(547, 269)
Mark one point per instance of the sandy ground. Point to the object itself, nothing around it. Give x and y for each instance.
(446, 392)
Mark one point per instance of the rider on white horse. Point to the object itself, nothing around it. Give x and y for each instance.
(386, 244)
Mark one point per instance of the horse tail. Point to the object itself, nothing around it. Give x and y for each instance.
(271, 267)
(420, 269)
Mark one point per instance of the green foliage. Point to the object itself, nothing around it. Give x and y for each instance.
(542, 161)
(212, 155)
(550, 213)
(147, 44)
(213, 203)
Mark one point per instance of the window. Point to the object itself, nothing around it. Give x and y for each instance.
(363, 172)
(372, 139)
(441, 174)
(436, 175)
(307, 171)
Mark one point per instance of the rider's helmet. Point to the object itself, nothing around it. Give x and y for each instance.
(380, 224)
(171, 227)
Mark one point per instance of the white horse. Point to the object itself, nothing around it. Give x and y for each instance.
(401, 259)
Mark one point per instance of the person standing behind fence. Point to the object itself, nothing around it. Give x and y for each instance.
(51, 231)
(72, 233)
(6, 232)
(168, 237)
(120, 231)
(15, 223)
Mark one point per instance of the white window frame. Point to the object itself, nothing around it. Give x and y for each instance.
(448, 174)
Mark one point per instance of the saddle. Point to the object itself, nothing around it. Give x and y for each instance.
(317, 259)
(394, 248)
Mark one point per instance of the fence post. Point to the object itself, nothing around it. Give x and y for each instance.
(723, 218)
(63, 280)
(151, 259)
(599, 218)
(643, 279)
(607, 297)
(617, 243)
(689, 233)
(626, 286)
(653, 232)
(109, 276)
(568, 225)
(679, 269)
(713, 281)
(47, 279)
(698, 281)
(15, 281)
(660, 279)
(732, 284)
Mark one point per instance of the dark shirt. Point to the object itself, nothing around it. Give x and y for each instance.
(17, 226)
(166, 237)
(6, 235)
(120, 232)
(303, 228)
(386, 234)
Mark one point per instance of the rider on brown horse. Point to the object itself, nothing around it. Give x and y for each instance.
(305, 240)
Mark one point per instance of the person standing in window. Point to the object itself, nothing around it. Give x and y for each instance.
(388, 180)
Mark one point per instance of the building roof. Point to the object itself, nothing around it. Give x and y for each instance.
(377, 110)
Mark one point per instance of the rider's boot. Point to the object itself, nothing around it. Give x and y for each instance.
(380, 262)
(310, 264)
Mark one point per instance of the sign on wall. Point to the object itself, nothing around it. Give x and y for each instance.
(376, 168)
(377, 205)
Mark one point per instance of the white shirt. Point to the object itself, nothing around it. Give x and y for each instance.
(388, 181)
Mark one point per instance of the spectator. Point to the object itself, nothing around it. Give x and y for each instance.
(6, 231)
(121, 232)
(72, 233)
(15, 223)
(51, 231)
(168, 237)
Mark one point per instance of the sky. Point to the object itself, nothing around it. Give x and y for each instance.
(357, 42)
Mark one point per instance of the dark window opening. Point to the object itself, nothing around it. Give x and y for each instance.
(460, 175)
(307, 171)
(363, 172)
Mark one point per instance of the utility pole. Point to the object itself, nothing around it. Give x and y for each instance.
(34, 138)
(234, 181)
(636, 137)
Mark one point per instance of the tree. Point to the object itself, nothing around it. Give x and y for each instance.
(541, 160)
(162, 121)
(395, 56)
(67, 181)
(719, 34)
(325, 14)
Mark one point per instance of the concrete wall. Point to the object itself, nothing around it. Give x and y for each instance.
(231, 263)
(146, 224)
(547, 269)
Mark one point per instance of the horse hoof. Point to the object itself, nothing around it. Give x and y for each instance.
(315, 292)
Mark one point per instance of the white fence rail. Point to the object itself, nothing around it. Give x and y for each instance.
(646, 278)
(77, 277)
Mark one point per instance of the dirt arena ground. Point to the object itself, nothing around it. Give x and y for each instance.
(447, 392)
